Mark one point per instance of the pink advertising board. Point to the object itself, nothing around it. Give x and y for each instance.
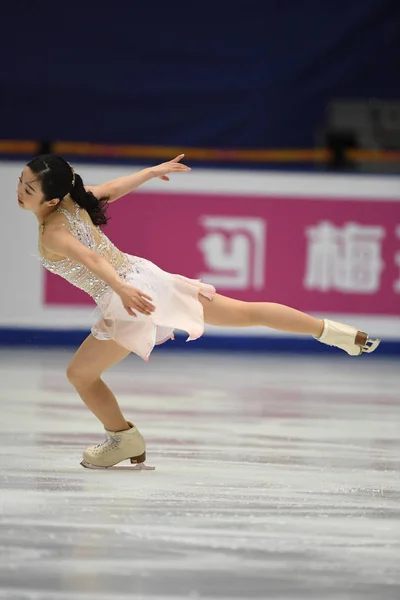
(320, 255)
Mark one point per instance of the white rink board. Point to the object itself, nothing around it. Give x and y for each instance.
(21, 302)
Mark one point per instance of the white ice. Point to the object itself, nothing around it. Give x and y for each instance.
(276, 477)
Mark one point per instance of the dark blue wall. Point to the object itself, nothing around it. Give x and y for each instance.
(191, 73)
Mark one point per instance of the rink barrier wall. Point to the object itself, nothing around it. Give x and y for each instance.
(295, 238)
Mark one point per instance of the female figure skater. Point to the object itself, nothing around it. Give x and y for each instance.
(139, 304)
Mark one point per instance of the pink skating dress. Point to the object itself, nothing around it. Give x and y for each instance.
(175, 297)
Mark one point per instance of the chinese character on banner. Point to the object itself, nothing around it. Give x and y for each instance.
(396, 285)
(345, 259)
(234, 252)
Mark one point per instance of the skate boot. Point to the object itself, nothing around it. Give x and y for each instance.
(349, 339)
(118, 446)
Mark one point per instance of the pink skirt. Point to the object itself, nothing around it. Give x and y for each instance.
(176, 302)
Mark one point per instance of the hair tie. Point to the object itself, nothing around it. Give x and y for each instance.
(73, 173)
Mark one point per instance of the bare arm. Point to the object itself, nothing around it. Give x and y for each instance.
(117, 188)
(59, 240)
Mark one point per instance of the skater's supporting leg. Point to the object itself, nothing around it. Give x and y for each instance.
(227, 312)
(124, 441)
(84, 372)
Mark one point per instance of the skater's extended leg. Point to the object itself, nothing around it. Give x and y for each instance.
(227, 312)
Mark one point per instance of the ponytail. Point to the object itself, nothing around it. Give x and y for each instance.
(59, 179)
(96, 208)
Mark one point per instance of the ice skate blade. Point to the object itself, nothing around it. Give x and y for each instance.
(136, 467)
(370, 345)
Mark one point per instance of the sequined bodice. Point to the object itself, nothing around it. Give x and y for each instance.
(80, 225)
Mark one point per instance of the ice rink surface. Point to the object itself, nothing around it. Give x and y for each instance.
(276, 477)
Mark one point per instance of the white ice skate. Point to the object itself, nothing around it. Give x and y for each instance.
(347, 338)
(118, 446)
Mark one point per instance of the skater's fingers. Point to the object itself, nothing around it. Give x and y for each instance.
(145, 309)
(130, 311)
(177, 158)
(139, 305)
(146, 297)
(141, 302)
(148, 306)
(140, 308)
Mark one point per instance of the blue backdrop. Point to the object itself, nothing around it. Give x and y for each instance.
(191, 74)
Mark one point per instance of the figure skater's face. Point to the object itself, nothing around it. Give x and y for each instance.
(29, 191)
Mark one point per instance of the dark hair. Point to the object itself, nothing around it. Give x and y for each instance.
(58, 179)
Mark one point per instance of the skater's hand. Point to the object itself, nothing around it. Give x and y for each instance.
(134, 299)
(172, 166)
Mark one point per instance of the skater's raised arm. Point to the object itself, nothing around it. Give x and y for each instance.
(117, 188)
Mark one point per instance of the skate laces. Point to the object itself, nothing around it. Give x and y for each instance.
(110, 443)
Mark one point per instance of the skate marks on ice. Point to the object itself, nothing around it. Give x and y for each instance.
(275, 478)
